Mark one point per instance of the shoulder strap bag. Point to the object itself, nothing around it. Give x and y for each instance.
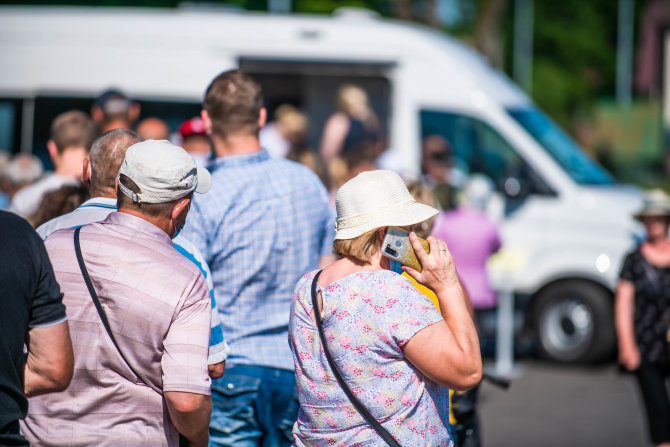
(381, 431)
(96, 301)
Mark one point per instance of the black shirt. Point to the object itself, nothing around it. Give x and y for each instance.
(652, 306)
(29, 297)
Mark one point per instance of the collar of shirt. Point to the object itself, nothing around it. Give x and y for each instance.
(100, 202)
(139, 225)
(239, 160)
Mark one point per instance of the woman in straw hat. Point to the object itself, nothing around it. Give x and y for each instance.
(394, 349)
(643, 314)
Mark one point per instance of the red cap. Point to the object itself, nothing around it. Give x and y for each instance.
(194, 126)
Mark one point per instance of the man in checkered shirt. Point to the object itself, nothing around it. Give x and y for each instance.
(264, 223)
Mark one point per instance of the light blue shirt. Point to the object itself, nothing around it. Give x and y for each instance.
(264, 223)
(97, 209)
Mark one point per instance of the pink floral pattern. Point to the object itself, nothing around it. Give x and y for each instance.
(367, 318)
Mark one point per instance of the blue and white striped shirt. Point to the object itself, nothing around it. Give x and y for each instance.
(96, 210)
(264, 223)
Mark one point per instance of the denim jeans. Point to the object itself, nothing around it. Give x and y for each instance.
(253, 406)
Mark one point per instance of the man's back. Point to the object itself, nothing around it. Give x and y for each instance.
(264, 223)
(158, 308)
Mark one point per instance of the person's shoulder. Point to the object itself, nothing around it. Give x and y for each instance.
(14, 225)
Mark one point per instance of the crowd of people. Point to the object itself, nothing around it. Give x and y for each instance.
(225, 284)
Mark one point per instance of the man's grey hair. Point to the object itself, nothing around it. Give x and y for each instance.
(23, 170)
(106, 157)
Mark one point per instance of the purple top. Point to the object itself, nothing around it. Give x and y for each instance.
(472, 238)
(367, 318)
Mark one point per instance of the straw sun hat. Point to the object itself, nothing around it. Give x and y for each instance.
(656, 203)
(375, 199)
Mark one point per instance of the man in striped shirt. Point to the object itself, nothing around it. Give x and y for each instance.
(142, 379)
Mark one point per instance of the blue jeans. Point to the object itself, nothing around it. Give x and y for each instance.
(253, 406)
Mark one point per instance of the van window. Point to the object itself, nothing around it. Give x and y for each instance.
(477, 147)
(561, 147)
(10, 124)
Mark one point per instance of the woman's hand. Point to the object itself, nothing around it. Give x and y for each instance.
(630, 358)
(439, 270)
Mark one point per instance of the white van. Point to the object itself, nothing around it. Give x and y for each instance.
(565, 217)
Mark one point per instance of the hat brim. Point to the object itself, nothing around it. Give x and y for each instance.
(652, 213)
(410, 215)
(204, 181)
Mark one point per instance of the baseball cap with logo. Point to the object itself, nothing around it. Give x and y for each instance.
(162, 171)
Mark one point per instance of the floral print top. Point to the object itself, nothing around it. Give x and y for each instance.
(367, 318)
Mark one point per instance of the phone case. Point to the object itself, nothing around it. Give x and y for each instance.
(397, 246)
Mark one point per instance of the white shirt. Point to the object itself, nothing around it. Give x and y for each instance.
(27, 201)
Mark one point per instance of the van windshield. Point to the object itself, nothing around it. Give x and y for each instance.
(561, 147)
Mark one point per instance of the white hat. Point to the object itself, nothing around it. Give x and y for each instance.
(656, 203)
(163, 172)
(375, 199)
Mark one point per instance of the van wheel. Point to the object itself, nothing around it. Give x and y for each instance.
(574, 322)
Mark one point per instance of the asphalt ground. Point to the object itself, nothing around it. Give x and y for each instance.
(552, 405)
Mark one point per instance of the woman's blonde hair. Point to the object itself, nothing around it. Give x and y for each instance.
(361, 247)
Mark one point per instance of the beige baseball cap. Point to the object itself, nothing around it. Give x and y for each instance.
(163, 172)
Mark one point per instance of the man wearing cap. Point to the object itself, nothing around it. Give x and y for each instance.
(152, 384)
(114, 110)
(264, 224)
(100, 170)
(195, 140)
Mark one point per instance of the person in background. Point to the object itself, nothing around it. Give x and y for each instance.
(152, 384)
(114, 110)
(100, 171)
(394, 348)
(153, 128)
(472, 238)
(32, 315)
(71, 136)
(436, 171)
(195, 141)
(22, 171)
(264, 224)
(285, 132)
(353, 126)
(58, 202)
(642, 315)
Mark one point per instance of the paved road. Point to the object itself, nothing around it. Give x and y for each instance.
(552, 405)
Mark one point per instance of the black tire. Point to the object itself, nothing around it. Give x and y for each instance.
(574, 322)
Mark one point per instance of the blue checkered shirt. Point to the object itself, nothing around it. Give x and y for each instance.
(263, 224)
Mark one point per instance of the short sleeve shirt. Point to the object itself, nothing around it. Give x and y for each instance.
(652, 306)
(30, 297)
(159, 311)
(367, 319)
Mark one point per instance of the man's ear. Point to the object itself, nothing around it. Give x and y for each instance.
(134, 112)
(207, 121)
(179, 209)
(53, 151)
(262, 117)
(86, 174)
(98, 115)
(382, 233)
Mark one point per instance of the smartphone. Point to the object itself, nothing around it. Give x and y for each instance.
(397, 246)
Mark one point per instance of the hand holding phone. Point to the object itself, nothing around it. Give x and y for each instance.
(397, 246)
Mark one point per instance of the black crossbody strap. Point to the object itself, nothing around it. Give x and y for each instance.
(96, 301)
(381, 431)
